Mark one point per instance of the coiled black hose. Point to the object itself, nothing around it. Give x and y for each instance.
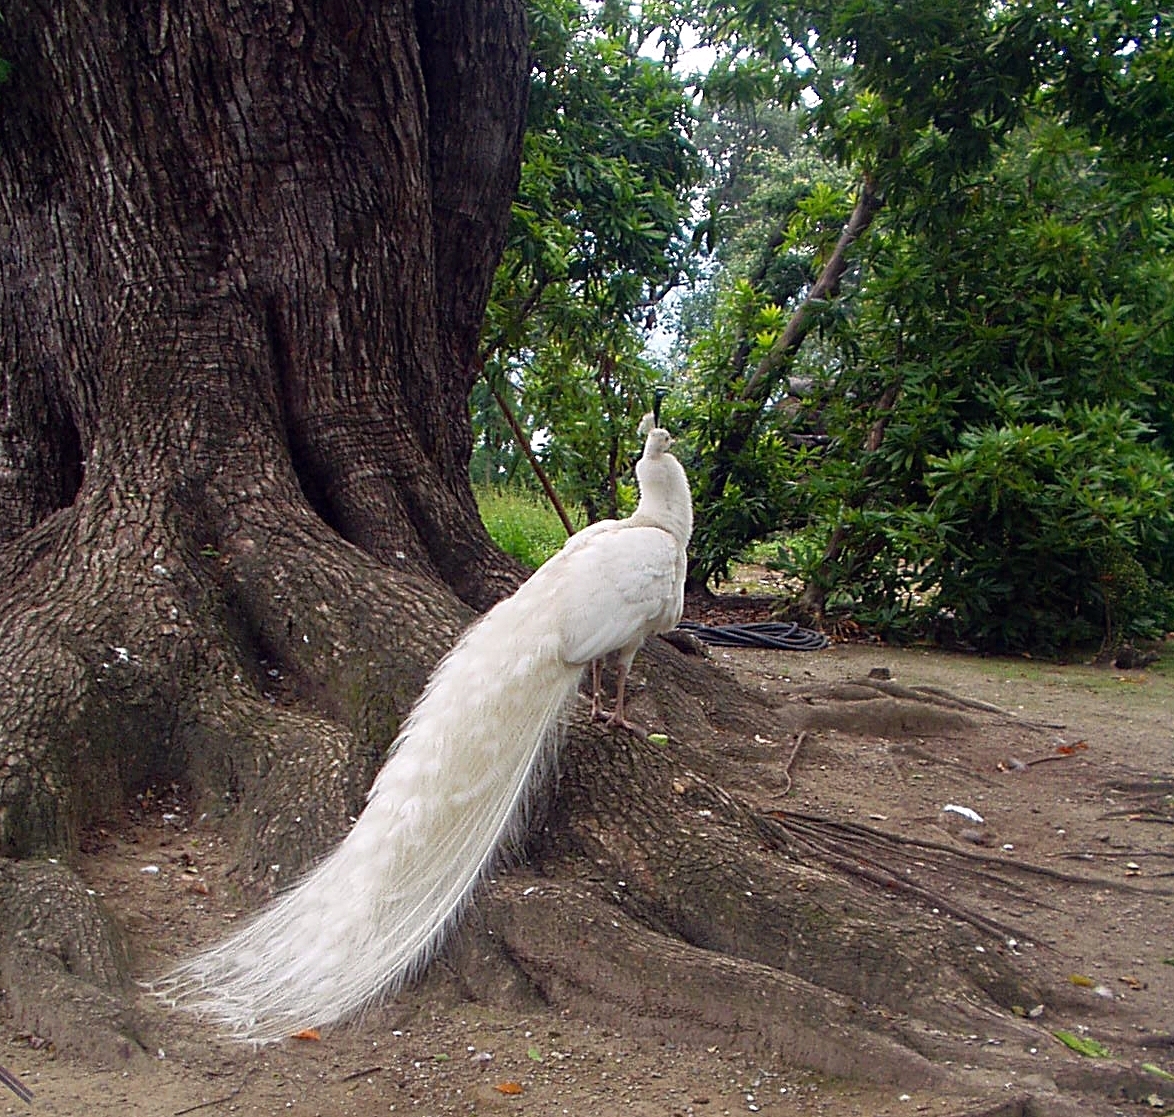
(783, 636)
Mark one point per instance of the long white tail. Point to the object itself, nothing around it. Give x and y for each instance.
(450, 798)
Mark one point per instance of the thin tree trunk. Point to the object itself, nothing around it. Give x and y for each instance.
(523, 444)
(825, 288)
(772, 367)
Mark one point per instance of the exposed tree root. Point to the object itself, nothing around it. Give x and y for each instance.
(261, 662)
(693, 862)
(854, 836)
(582, 953)
(64, 965)
(858, 689)
(664, 896)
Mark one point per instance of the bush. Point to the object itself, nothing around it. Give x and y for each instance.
(1046, 536)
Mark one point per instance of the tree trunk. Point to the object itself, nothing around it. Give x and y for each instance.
(761, 383)
(245, 257)
(522, 441)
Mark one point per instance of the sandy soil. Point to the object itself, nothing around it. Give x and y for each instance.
(1087, 789)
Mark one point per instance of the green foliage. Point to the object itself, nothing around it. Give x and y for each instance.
(606, 175)
(598, 237)
(778, 209)
(769, 476)
(496, 458)
(976, 427)
(1016, 289)
(521, 524)
(1042, 535)
(5, 65)
(1019, 345)
(1037, 537)
(1118, 80)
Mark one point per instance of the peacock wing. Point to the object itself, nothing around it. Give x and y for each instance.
(615, 589)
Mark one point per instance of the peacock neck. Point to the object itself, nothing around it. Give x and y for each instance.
(665, 501)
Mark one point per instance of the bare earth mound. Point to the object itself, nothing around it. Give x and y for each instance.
(1060, 898)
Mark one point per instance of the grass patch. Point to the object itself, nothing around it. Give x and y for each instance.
(521, 523)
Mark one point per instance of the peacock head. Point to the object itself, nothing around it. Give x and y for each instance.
(657, 443)
(656, 439)
(664, 488)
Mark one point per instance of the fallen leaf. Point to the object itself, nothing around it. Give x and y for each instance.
(1153, 1068)
(1081, 980)
(1082, 1045)
(308, 1033)
(509, 1088)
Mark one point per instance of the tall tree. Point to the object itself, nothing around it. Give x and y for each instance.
(598, 238)
(919, 101)
(246, 259)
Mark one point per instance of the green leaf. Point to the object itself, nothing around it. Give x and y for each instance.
(1083, 1046)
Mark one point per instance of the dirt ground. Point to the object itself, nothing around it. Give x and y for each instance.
(1077, 780)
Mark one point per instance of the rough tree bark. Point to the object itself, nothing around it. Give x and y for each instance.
(246, 259)
(245, 255)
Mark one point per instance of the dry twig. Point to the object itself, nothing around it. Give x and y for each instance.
(802, 736)
(16, 1086)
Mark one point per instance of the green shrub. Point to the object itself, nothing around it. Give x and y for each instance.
(1045, 536)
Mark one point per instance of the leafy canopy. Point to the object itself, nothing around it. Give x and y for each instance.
(989, 348)
(598, 238)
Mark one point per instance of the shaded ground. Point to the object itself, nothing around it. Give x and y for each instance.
(1078, 782)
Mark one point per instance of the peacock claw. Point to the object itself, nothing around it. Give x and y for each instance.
(631, 727)
(614, 722)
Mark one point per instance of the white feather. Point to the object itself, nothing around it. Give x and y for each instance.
(453, 793)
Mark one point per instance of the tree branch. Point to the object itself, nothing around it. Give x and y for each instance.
(826, 286)
(766, 375)
(524, 445)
